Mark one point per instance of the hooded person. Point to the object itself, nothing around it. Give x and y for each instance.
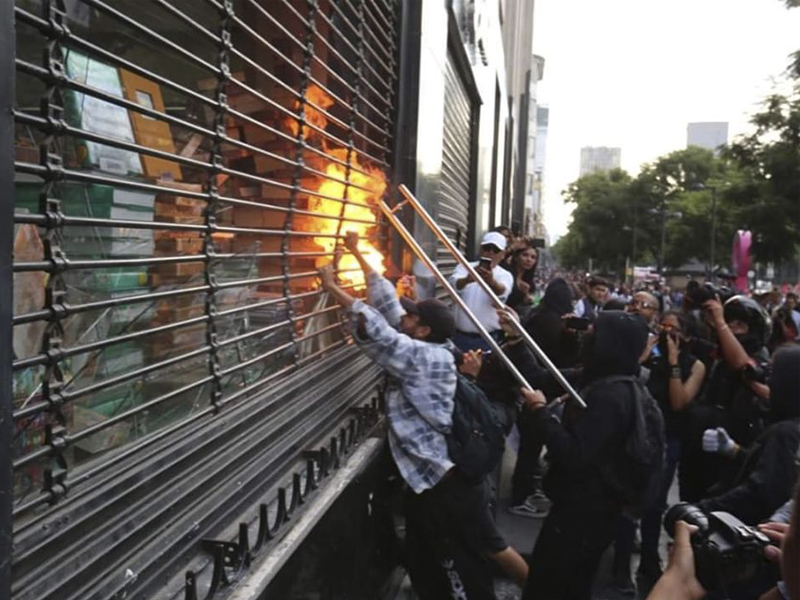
(583, 519)
(768, 468)
(546, 325)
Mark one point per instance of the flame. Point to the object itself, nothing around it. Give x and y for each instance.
(358, 212)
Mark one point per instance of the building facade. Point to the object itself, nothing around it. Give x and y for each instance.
(596, 159)
(709, 135)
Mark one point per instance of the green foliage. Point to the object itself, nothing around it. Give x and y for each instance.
(768, 196)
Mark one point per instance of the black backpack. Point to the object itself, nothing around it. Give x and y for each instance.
(477, 439)
(633, 477)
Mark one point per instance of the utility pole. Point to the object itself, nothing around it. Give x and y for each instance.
(713, 249)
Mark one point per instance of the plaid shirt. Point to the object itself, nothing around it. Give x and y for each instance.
(422, 382)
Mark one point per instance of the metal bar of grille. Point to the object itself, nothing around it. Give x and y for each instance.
(45, 266)
(43, 74)
(47, 358)
(175, 12)
(245, 309)
(7, 94)
(66, 129)
(340, 101)
(77, 41)
(322, 63)
(133, 24)
(342, 36)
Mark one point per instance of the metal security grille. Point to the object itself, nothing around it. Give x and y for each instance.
(453, 208)
(182, 168)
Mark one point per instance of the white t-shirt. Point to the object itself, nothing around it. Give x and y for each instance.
(478, 301)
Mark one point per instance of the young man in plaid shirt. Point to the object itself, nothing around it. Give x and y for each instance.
(450, 533)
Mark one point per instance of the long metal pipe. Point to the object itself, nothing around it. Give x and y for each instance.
(548, 364)
(453, 293)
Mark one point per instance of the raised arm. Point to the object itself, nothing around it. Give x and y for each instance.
(351, 240)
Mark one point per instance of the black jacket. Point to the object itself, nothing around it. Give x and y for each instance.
(768, 468)
(546, 326)
(592, 438)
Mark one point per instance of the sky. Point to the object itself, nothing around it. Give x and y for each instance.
(633, 73)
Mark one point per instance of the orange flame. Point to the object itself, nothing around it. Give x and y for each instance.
(358, 212)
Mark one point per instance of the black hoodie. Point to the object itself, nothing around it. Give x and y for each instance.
(547, 328)
(592, 438)
(769, 470)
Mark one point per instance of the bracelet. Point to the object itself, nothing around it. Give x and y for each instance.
(675, 372)
(725, 326)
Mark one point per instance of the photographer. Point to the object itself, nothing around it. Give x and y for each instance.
(493, 246)
(680, 582)
(766, 469)
(734, 397)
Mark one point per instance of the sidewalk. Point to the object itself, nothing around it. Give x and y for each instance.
(521, 533)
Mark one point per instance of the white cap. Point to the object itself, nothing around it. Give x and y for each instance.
(495, 238)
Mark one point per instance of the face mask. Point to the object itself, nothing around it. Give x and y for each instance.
(749, 342)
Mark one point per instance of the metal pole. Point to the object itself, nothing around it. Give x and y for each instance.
(406, 234)
(713, 232)
(409, 197)
(663, 237)
(7, 93)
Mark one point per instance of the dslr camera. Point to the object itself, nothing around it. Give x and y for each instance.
(700, 294)
(727, 552)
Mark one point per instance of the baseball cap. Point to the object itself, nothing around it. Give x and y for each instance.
(495, 239)
(433, 313)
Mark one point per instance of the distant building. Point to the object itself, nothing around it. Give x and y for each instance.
(707, 135)
(599, 159)
(535, 183)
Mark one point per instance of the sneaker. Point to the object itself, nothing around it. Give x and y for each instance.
(529, 509)
(539, 500)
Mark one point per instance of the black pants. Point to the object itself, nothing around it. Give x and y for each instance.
(449, 534)
(526, 470)
(567, 553)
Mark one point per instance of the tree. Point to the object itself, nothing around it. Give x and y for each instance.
(602, 222)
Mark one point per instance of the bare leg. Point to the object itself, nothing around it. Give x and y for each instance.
(512, 564)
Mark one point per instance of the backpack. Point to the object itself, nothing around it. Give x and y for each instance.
(634, 477)
(477, 438)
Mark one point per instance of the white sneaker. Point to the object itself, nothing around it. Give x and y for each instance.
(529, 509)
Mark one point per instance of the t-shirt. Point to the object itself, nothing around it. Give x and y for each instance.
(658, 384)
(478, 300)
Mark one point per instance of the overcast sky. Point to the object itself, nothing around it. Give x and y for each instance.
(633, 73)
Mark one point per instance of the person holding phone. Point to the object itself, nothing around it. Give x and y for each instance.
(493, 246)
(522, 266)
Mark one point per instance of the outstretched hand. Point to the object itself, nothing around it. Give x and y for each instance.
(508, 317)
(715, 310)
(351, 241)
(679, 580)
(472, 363)
(533, 399)
(327, 277)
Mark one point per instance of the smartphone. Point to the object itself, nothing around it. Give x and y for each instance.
(577, 323)
(485, 263)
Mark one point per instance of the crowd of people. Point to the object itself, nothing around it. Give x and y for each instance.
(692, 384)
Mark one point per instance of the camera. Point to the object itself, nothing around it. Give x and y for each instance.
(700, 294)
(726, 551)
(755, 372)
(485, 263)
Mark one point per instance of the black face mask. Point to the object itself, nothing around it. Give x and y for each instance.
(750, 343)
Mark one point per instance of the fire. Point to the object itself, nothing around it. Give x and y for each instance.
(358, 212)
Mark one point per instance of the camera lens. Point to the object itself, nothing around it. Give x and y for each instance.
(685, 512)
